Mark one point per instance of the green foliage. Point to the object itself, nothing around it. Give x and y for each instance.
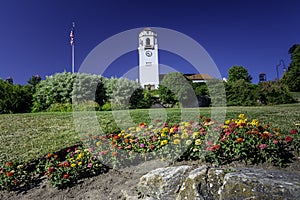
(13, 175)
(15, 98)
(123, 93)
(89, 88)
(106, 107)
(55, 89)
(175, 87)
(60, 107)
(236, 73)
(200, 88)
(292, 77)
(241, 93)
(272, 93)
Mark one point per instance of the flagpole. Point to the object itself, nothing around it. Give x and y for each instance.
(72, 35)
(73, 60)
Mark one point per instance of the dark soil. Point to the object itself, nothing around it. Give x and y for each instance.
(111, 184)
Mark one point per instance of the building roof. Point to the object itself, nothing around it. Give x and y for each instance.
(199, 76)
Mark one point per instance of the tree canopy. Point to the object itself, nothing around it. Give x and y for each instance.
(236, 73)
(292, 77)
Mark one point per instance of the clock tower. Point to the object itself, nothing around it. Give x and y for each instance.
(148, 59)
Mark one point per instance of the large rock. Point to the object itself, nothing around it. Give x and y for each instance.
(162, 183)
(187, 183)
(248, 183)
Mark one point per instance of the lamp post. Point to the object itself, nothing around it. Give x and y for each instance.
(281, 63)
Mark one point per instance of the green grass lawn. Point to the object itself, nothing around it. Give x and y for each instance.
(30, 136)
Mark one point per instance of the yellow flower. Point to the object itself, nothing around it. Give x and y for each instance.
(195, 134)
(73, 165)
(71, 159)
(255, 122)
(176, 141)
(184, 135)
(138, 129)
(164, 142)
(198, 142)
(79, 156)
(98, 143)
(225, 126)
(241, 116)
(80, 163)
(163, 135)
(176, 136)
(171, 130)
(227, 122)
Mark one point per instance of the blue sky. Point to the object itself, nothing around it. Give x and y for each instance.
(256, 34)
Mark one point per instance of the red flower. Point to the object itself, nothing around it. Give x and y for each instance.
(66, 164)
(294, 131)
(263, 146)
(51, 169)
(9, 174)
(65, 176)
(9, 164)
(207, 120)
(288, 139)
(151, 146)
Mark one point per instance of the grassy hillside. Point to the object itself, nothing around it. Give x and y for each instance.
(29, 136)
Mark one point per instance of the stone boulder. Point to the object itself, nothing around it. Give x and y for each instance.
(190, 183)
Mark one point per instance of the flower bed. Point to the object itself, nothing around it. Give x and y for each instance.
(238, 139)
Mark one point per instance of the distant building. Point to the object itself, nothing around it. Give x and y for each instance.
(9, 80)
(262, 77)
(199, 78)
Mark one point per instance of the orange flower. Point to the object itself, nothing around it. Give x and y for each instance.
(9, 164)
(114, 154)
(101, 137)
(65, 176)
(49, 155)
(264, 135)
(9, 174)
(239, 140)
(55, 156)
(115, 138)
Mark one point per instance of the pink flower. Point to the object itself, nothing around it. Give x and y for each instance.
(68, 150)
(288, 139)
(90, 165)
(263, 146)
(275, 141)
(294, 131)
(210, 142)
(142, 145)
(101, 153)
(91, 149)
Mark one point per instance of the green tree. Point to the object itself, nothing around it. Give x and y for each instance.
(240, 93)
(292, 77)
(271, 93)
(123, 93)
(175, 87)
(236, 73)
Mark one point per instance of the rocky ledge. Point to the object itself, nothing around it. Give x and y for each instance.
(203, 182)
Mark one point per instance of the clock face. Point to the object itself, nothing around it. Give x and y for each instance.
(148, 53)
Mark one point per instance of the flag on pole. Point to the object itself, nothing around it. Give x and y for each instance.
(72, 35)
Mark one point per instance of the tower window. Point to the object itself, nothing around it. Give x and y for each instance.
(147, 41)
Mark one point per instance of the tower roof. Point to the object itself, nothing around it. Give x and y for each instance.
(147, 29)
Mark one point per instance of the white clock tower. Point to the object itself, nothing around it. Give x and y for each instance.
(148, 59)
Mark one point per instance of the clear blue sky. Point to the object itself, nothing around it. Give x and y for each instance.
(34, 34)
